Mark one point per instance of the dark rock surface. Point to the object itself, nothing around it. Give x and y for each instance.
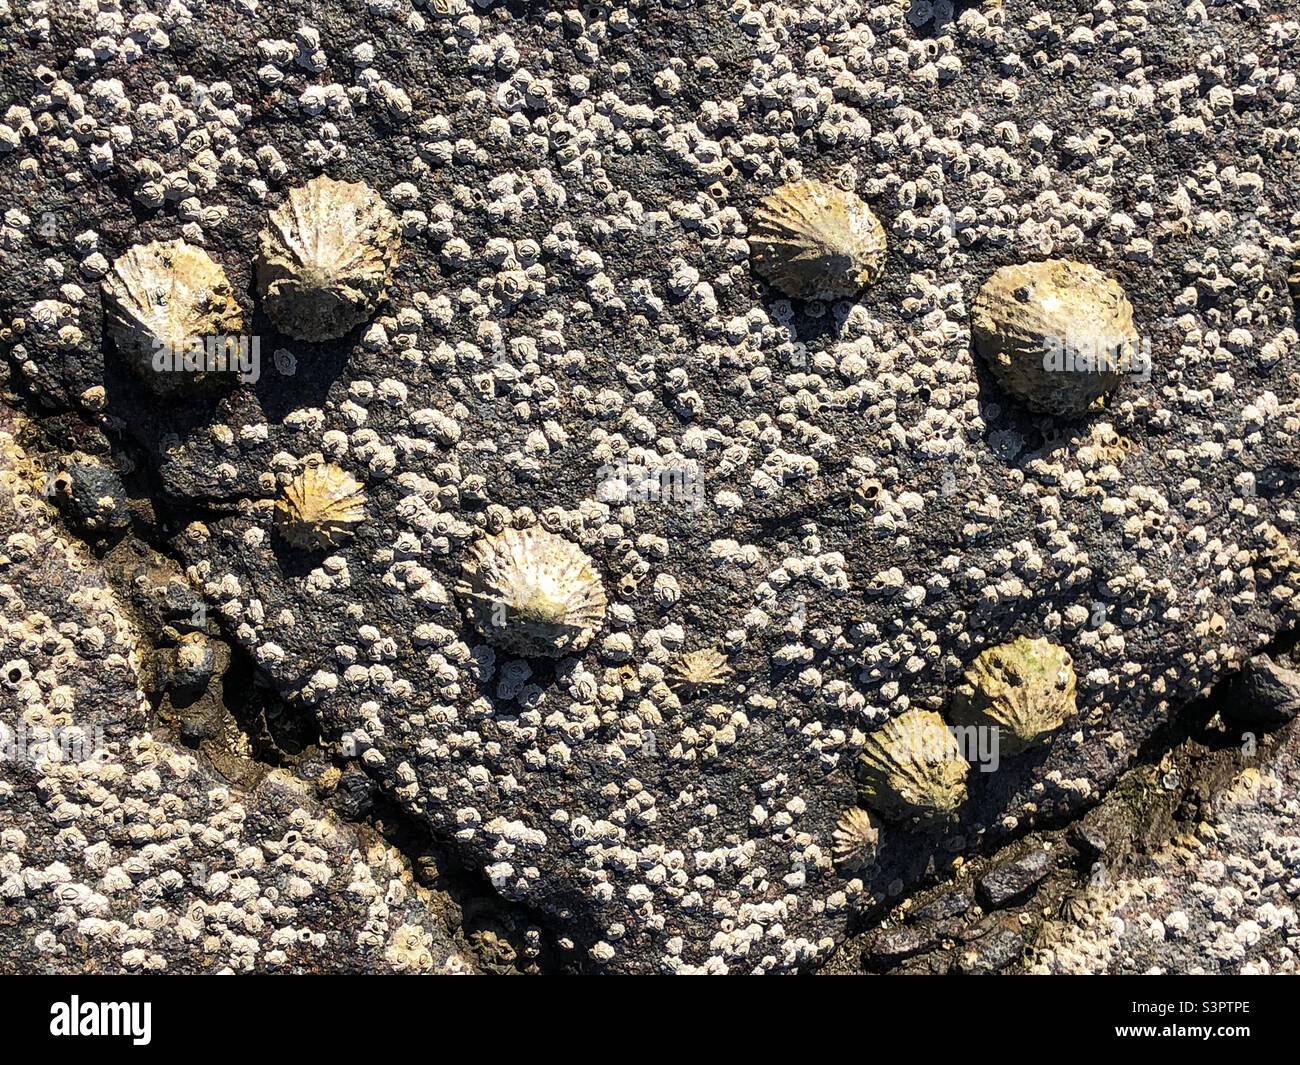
(1012, 881)
(1264, 693)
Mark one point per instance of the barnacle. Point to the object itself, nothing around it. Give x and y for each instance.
(167, 297)
(912, 769)
(326, 257)
(855, 837)
(532, 593)
(1057, 334)
(693, 670)
(321, 507)
(1025, 687)
(814, 241)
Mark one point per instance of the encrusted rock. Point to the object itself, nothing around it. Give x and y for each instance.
(1057, 334)
(162, 301)
(1025, 687)
(912, 769)
(321, 507)
(532, 593)
(817, 242)
(326, 257)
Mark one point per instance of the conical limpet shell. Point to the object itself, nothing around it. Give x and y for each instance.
(166, 297)
(816, 242)
(532, 593)
(912, 769)
(1057, 334)
(1026, 688)
(321, 507)
(326, 257)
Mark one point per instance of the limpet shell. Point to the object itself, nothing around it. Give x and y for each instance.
(166, 295)
(1025, 687)
(854, 840)
(326, 257)
(1058, 334)
(532, 593)
(912, 769)
(321, 507)
(693, 670)
(816, 242)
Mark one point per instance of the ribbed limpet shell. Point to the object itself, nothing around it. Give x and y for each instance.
(693, 670)
(816, 242)
(326, 257)
(166, 296)
(855, 839)
(321, 507)
(1025, 687)
(1057, 334)
(912, 769)
(532, 593)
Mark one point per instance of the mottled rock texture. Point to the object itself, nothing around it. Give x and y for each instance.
(120, 852)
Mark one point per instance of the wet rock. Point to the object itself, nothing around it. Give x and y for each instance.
(1011, 882)
(993, 952)
(949, 904)
(1088, 840)
(1264, 693)
(887, 947)
(91, 496)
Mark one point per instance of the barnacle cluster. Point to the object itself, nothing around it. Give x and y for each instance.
(532, 593)
(1057, 334)
(816, 242)
(166, 297)
(326, 256)
(321, 507)
(1025, 687)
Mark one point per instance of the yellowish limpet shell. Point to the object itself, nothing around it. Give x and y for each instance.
(321, 507)
(167, 296)
(326, 257)
(814, 241)
(1025, 687)
(912, 769)
(1058, 335)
